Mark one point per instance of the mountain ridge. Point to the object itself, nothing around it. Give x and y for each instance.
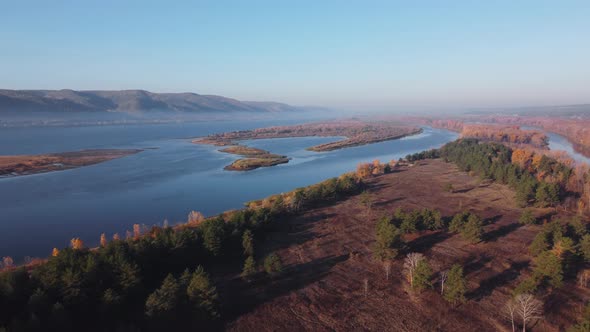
(129, 101)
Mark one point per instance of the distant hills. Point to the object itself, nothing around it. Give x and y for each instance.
(131, 101)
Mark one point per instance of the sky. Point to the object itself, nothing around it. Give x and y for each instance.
(373, 55)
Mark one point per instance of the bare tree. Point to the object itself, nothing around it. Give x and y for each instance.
(528, 308)
(443, 278)
(410, 264)
(387, 268)
(366, 286)
(510, 311)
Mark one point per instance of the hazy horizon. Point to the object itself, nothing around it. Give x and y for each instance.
(356, 57)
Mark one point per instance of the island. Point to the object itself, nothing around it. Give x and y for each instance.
(32, 164)
(354, 132)
(255, 158)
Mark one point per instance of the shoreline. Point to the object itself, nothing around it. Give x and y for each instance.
(355, 133)
(22, 165)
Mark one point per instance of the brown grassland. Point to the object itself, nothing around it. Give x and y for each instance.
(327, 257)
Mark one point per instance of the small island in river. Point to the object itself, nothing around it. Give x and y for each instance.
(255, 158)
(33, 164)
(355, 133)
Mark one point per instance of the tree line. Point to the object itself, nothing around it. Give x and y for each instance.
(153, 278)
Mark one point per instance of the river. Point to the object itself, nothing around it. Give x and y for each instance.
(42, 211)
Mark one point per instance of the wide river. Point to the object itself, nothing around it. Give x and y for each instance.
(166, 181)
(42, 211)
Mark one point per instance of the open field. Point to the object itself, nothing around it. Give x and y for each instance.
(327, 257)
(32, 164)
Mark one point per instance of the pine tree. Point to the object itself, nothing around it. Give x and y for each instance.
(164, 300)
(539, 243)
(213, 232)
(248, 243)
(422, 275)
(249, 267)
(455, 285)
(202, 294)
(527, 217)
(387, 240)
(473, 229)
(273, 264)
(548, 266)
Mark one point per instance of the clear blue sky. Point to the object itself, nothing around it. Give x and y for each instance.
(353, 54)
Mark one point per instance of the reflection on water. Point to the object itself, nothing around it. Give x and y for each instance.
(46, 210)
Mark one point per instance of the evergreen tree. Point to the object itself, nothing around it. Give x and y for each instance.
(527, 217)
(456, 287)
(249, 267)
(248, 243)
(539, 244)
(548, 266)
(273, 264)
(473, 229)
(164, 301)
(547, 194)
(213, 232)
(387, 240)
(422, 275)
(202, 294)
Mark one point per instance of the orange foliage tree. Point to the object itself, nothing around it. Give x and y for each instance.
(103, 240)
(76, 243)
(195, 218)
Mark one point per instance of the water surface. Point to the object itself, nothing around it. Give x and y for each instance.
(42, 211)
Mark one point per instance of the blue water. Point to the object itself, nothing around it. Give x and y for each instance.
(42, 211)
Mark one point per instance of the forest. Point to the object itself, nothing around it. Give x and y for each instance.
(158, 276)
(167, 276)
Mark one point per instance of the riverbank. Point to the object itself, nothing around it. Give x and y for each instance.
(356, 133)
(33, 164)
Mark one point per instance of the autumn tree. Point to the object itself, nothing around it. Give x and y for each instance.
(76, 243)
(136, 231)
(54, 252)
(103, 240)
(456, 285)
(7, 261)
(195, 218)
